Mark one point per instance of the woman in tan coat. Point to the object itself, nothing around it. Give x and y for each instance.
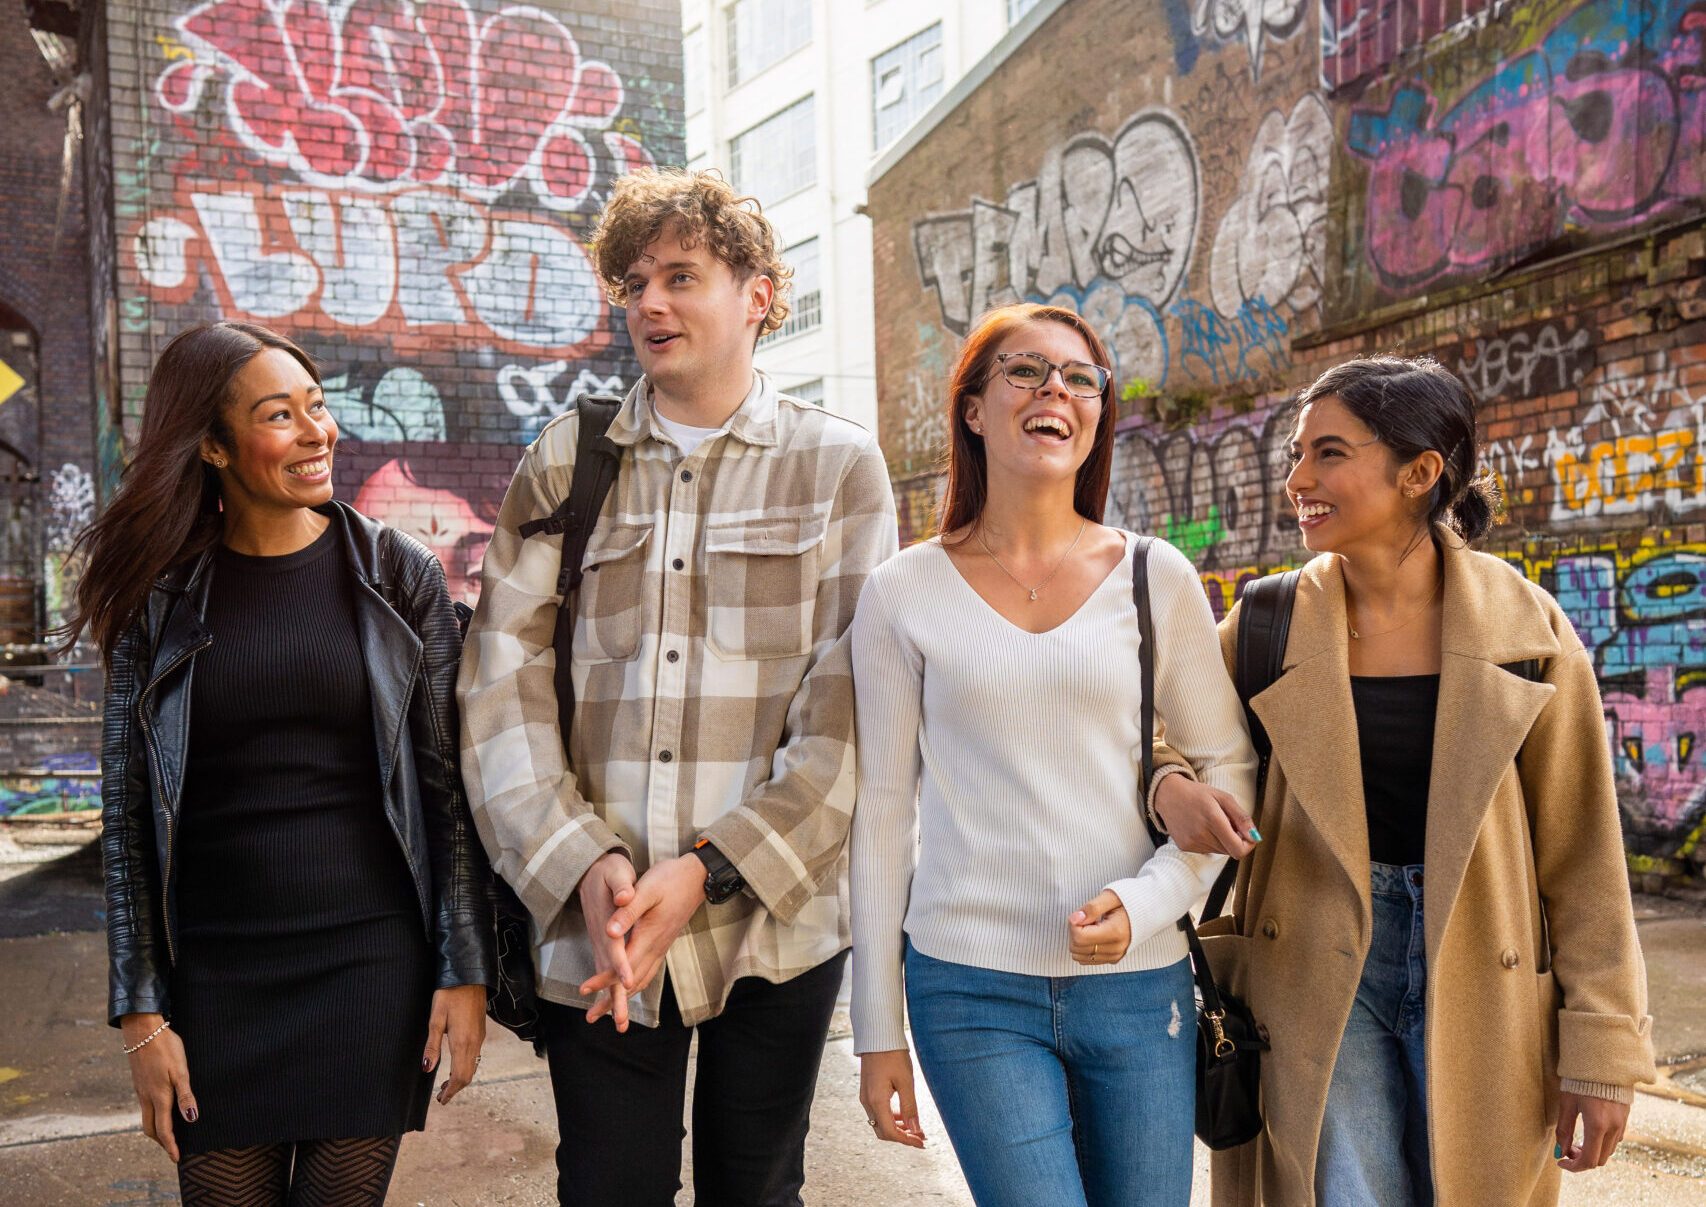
(1435, 926)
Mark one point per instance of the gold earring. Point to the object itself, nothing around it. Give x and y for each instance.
(219, 462)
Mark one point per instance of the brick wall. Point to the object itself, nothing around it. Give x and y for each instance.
(412, 208)
(1563, 277)
(44, 330)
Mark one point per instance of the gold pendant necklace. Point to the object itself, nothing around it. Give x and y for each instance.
(1356, 636)
(1033, 590)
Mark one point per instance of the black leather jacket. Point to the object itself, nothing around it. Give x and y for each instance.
(412, 648)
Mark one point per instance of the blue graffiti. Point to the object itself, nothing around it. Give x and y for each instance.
(1656, 618)
(1231, 349)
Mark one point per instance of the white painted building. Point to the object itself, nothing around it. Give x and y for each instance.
(792, 100)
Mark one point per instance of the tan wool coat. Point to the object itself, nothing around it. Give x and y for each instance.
(1534, 969)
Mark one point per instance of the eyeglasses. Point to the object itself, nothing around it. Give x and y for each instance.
(1029, 371)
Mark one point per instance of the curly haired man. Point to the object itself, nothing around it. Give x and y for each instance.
(685, 863)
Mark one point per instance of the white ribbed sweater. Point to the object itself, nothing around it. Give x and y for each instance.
(998, 774)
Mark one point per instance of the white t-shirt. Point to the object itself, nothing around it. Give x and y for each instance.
(688, 438)
(998, 774)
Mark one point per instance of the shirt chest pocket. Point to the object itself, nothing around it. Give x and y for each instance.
(761, 586)
(610, 612)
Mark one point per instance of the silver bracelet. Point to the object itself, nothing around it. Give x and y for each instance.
(150, 1038)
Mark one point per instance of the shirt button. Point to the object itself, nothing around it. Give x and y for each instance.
(678, 563)
(1510, 958)
(665, 756)
(1270, 928)
(687, 475)
(673, 656)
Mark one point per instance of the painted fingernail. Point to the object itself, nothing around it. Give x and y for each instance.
(1255, 834)
(426, 1063)
(190, 1114)
(1558, 1152)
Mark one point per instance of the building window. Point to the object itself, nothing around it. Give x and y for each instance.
(694, 69)
(905, 82)
(762, 32)
(778, 156)
(808, 391)
(1017, 9)
(806, 300)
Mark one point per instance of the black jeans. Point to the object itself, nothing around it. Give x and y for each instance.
(620, 1098)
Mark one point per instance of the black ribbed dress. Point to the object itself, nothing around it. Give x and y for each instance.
(303, 979)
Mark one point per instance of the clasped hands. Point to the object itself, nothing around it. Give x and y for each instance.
(632, 922)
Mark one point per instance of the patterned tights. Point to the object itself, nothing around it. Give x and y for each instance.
(310, 1173)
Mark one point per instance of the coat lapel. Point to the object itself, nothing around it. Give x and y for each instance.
(1491, 619)
(390, 650)
(1310, 717)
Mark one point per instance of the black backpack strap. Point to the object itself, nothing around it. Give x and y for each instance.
(1528, 668)
(1264, 624)
(597, 460)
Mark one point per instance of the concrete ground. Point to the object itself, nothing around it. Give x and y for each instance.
(68, 1130)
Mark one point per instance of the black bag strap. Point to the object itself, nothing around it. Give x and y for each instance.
(597, 459)
(1146, 712)
(1264, 624)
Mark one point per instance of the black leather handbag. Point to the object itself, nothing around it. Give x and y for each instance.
(1230, 1041)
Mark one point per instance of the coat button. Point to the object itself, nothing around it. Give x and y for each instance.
(677, 563)
(674, 655)
(665, 756)
(1270, 928)
(1510, 958)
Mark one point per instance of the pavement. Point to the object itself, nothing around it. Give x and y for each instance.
(69, 1133)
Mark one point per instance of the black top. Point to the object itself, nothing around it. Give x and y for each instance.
(1395, 733)
(304, 976)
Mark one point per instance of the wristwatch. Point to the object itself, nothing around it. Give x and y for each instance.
(722, 879)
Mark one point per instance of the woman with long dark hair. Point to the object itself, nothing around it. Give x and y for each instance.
(1436, 928)
(296, 916)
(1005, 889)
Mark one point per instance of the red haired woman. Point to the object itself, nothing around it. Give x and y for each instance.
(296, 910)
(1005, 888)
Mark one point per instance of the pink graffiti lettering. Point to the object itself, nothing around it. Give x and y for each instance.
(1594, 126)
(382, 95)
(422, 269)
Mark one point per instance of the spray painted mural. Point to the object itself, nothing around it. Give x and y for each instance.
(1598, 126)
(1110, 227)
(405, 188)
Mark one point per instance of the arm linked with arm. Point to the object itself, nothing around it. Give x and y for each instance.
(541, 834)
(788, 834)
(1200, 724)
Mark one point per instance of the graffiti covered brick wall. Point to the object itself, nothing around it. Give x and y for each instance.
(405, 188)
(1562, 123)
(1179, 203)
(1220, 218)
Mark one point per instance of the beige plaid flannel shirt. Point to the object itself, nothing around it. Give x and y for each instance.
(713, 686)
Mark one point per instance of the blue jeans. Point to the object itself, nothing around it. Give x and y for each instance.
(1374, 1137)
(1076, 1091)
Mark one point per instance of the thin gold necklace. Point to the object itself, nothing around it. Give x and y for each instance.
(1033, 590)
(1356, 636)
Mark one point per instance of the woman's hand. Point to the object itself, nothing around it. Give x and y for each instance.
(884, 1076)
(1100, 930)
(1603, 1122)
(1204, 820)
(458, 1014)
(161, 1076)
